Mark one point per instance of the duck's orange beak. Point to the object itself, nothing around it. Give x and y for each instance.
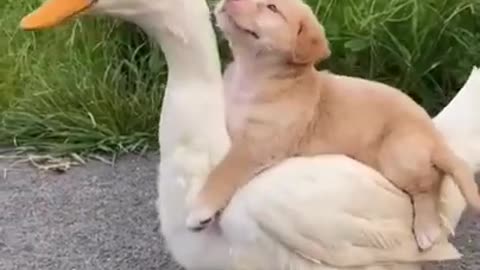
(54, 12)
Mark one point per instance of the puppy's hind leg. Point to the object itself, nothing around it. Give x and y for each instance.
(426, 225)
(406, 161)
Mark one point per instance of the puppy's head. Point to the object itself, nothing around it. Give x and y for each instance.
(287, 29)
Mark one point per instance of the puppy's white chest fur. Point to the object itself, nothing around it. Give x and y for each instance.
(240, 98)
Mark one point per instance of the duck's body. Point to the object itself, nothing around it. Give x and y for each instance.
(337, 210)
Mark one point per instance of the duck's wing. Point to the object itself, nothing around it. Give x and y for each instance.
(336, 211)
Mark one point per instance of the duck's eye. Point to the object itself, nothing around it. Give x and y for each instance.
(272, 7)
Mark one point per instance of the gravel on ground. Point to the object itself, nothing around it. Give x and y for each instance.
(98, 216)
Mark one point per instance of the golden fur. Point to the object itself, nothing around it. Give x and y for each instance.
(279, 106)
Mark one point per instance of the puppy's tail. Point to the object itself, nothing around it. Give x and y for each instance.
(448, 162)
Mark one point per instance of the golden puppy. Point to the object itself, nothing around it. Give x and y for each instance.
(279, 106)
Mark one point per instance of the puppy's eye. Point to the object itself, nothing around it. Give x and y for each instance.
(272, 7)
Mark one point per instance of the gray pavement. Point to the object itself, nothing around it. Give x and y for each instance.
(99, 217)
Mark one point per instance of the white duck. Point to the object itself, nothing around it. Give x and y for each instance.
(321, 213)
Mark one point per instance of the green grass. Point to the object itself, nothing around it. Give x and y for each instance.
(96, 85)
(77, 88)
(424, 47)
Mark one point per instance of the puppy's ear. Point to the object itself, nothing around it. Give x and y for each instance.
(311, 44)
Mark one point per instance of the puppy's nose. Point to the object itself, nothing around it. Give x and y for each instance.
(241, 6)
(236, 1)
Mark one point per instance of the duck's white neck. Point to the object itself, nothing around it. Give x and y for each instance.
(185, 33)
(194, 91)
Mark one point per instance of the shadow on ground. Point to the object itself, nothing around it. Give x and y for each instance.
(102, 217)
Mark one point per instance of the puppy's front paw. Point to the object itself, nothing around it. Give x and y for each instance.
(201, 217)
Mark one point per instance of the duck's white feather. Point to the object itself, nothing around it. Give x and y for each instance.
(304, 214)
